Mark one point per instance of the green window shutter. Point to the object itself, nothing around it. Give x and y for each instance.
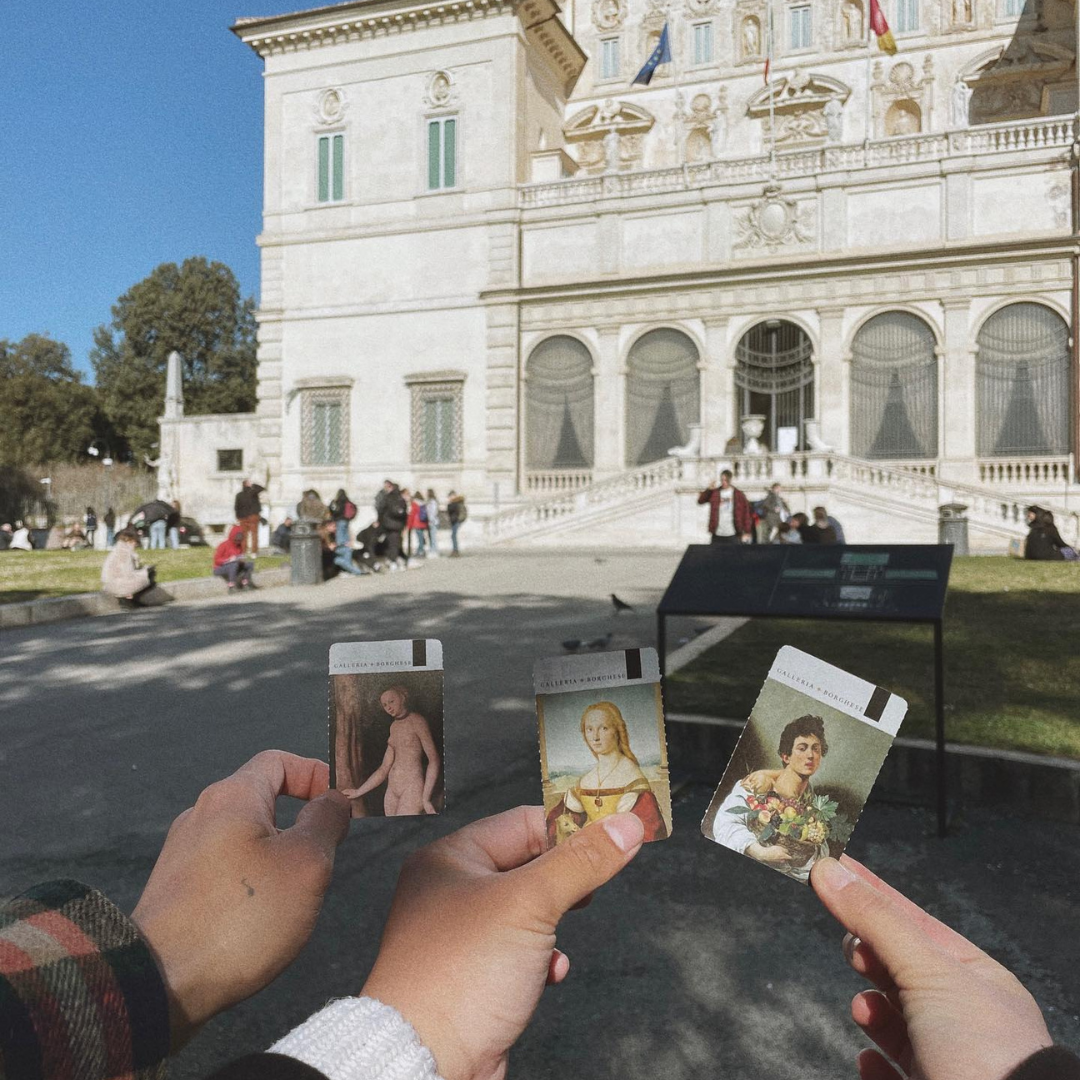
(339, 167)
(449, 153)
(324, 169)
(433, 155)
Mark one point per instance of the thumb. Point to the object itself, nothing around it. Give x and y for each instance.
(322, 823)
(566, 874)
(897, 936)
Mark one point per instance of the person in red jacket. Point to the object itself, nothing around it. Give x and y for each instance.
(229, 561)
(731, 521)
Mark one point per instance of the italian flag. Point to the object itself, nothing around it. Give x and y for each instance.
(885, 41)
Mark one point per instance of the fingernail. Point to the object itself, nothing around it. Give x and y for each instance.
(836, 874)
(626, 830)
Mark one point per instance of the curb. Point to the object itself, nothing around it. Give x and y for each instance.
(1007, 780)
(92, 604)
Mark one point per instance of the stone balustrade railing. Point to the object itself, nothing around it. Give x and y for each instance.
(1057, 132)
(535, 515)
(1052, 472)
(553, 481)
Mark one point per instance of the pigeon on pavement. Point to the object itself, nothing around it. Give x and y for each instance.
(572, 645)
(620, 605)
(600, 642)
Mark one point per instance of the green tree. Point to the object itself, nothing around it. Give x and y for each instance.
(46, 413)
(196, 309)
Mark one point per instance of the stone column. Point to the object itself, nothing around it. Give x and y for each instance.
(833, 370)
(717, 410)
(957, 394)
(609, 402)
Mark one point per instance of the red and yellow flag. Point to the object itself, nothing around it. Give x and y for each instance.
(885, 41)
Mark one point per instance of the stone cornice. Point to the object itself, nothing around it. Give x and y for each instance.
(338, 23)
(775, 272)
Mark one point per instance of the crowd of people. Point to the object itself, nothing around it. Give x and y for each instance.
(401, 530)
(467, 950)
(734, 519)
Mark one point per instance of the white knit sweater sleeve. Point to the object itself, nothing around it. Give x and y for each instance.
(359, 1039)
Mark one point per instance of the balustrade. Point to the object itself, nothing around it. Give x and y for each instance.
(1026, 472)
(1036, 134)
(553, 481)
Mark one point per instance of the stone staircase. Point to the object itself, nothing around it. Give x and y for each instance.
(656, 504)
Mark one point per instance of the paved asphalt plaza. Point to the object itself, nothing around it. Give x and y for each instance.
(693, 963)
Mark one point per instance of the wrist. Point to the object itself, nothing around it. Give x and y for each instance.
(181, 990)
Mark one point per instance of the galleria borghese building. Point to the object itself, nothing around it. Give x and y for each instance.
(492, 263)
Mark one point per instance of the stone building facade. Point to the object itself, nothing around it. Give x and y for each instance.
(491, 263)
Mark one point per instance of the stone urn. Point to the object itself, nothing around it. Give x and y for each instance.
(812, 429)
(753, 424)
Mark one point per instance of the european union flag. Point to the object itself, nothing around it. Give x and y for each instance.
(660, 55)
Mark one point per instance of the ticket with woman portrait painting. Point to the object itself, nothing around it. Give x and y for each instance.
(602, 744)
(386, 726)
(804, 765)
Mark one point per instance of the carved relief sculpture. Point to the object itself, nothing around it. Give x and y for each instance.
(961, 103)
(751, 38)
(608, 14)
(854, 26)
(903, 100)
(608, 136)
(441, 91)
(330, 106)
(834, 120)
(775, 222)
(798, 102)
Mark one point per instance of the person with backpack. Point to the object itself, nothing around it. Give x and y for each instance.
(417, 523)
(342, 510)
(456, 512)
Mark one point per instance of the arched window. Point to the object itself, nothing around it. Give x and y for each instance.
(1023, 382)
(559, 406)
(894, 389)
(663, 395)
(774, 377)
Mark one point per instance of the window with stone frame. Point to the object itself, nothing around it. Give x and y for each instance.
(437, 422)
(230, 461)
(703, 43)
(610, 60)
(330, 182)
(324, 426)
(800, 31)
(907, 16)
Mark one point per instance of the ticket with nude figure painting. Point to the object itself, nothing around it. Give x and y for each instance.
(804, 765)
(602, 744)
(386, 726)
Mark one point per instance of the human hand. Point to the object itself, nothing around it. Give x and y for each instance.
(470, 941)
(231, 900)
(943, 1009)
(771, 854)
(760, 781)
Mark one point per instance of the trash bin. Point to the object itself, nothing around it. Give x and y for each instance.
(953, 527)
(305, 554)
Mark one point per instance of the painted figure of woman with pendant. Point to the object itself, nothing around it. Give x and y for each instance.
(614, 785)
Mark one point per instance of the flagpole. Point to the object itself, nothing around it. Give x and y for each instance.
(869, 63)
(772, 102)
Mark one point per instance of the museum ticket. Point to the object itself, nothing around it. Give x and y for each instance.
(386, 726)
(804, 765)
(602, 744)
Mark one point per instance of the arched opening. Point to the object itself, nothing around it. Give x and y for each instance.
(558, 406)
(903, 118)
(1022, 371)
(894, 389)
(663, 395)
(774, 377)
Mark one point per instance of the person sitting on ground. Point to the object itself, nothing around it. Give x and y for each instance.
(231, 563)
(74, 538)
(6, 534)
(787, 532)
(489, 897)
(20, 539)
(370, 547)
(1043, 540)
(829, 531)
(123, 576)
(282, 536)
(343, 556)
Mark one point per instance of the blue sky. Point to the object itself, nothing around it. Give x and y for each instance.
(130, 135)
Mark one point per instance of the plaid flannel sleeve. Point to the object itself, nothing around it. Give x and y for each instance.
(81, 997)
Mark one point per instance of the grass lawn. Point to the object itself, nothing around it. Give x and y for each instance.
(1012, 673)
(31, 575)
